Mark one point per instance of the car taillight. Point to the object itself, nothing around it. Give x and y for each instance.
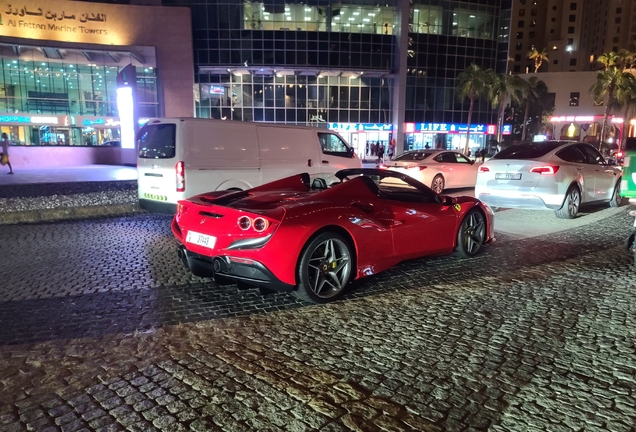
(545, 170)
(419, 168)
(619, 154)
(258, 224)
(180, 169)
(244, 223)
(483, 169)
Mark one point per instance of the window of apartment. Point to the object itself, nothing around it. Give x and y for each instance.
(551, 30)
(553, 19)
(615, 49)
(554, 8)
(519, 35)
(572, 18)
(522, 12)
(617, 20)
(533, 23)
(520, 24)
(516, 68)
(570, 30)
(522, 2)
(531, 35)
(615, 39)
(573, 62)
(555, 61)
(533, 12)
(519, 46)
(517, 57)
(572, 6)
(574, 98)
(570, 41)
(619, 10)
(618, 29)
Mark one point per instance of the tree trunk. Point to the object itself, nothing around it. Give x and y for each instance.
(604, 126)
(525, 119)
(470, 114)
(500, 120)
(621, 145)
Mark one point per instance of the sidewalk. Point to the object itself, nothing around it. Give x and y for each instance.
(40, 195)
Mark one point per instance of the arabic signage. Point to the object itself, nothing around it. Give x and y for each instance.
(361, 127)
(450, 128)
(53, 120)
(65, 21)
(583, 119)
(506, 130)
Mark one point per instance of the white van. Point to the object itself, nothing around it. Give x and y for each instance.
(182, 157)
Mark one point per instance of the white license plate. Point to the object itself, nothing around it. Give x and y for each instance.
(508, 176)
(201, 239)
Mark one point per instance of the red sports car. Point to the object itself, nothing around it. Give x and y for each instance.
(315, 235)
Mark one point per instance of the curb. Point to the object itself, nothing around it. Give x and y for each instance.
(69, 213)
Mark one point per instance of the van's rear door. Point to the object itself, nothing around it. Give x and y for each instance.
(157, 165)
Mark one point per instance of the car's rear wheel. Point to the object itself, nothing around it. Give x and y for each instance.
(324, 268)
(471, 234)
(438, 184)
(571, 204)
(617, 199)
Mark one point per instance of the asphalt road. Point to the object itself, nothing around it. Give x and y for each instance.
(101, 328)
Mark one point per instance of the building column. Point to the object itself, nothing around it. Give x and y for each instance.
(399, 70)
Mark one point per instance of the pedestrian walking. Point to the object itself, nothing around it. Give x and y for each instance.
(4, 156)
(381, 153)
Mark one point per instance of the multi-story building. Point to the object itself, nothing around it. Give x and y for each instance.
(371, 70)
(573, 32)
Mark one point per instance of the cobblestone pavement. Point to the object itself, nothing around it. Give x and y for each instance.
(102, 329)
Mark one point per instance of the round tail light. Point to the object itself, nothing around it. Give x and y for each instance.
(260, 224)
(244, 223)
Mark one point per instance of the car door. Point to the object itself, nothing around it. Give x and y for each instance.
(466, 171)
(446, 164)
(587, 172)
(422, 225)
(336, 155)
(604, 175)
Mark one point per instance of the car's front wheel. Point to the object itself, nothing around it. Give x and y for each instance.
(324, 268)
(471, 234)
(617, 199)
(571, 204)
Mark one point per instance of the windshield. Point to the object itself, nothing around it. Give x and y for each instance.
(528, 150)
(157, 141)
(413, 156)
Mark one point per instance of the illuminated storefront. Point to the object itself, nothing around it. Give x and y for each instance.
(584, 128)
(59, 62)
(361, 136)
(447, 136)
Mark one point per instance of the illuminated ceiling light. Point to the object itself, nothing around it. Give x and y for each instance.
(15, 61)
(371, 14)
(416, 10)
(43, 64)
(307, 18)
(266, 13)
(307, 9)
(366, 19)
(288, 18)
(471, 16)
(454, 23)
(287, 13)
(337, 18)
(286, 9)
(352, 19)
(356, 13)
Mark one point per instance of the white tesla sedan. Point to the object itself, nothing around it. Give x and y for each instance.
(549, 175)
(439, 169)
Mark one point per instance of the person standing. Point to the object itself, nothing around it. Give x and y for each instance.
(4, 157)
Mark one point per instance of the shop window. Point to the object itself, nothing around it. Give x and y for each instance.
(574, 98)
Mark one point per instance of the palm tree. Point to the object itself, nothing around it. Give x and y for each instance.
(626, 98)
(472, 83)
(532, 90)
(538, 57)
(501, 88)
(604, 90)
(608, 59)
(625, 59)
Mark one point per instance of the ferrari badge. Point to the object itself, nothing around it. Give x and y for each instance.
(457, 207)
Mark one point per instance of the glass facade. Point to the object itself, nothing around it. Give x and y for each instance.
(66, 87)
(320, 61)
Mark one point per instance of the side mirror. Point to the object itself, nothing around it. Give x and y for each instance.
(350, 152)
(446, 200)
(472, 162)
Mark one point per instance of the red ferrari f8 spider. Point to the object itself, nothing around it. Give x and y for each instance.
(315, 235)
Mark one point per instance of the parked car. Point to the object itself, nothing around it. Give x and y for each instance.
(314, 236)
(439, 169)
(548, 175)
(182, 157)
